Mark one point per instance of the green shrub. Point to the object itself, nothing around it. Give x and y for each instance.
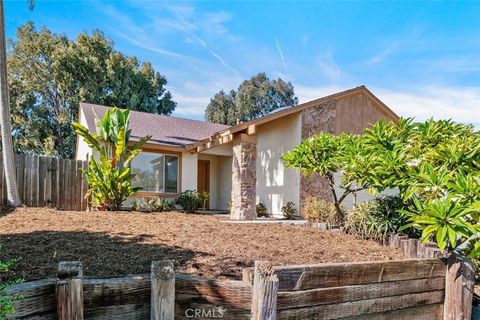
(190, 201)
(109, 177)
(360, 223)
(152, 205)
(378, 219)
(289, 211)
(261, 210)
(319, 210)
(203, 196)
(6, 298)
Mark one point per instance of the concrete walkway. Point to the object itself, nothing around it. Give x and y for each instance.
(268, 221)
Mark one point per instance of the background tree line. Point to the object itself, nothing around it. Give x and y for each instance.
(49, 75)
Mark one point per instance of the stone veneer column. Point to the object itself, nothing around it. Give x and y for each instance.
(244, 178)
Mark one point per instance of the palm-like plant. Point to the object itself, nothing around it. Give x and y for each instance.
(109, 176)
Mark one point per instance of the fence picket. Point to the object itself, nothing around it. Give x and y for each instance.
(3, 187)
(48, 182)
(68, 184)
(78, 186)
(84, 187)
(28, 180)
(42, 174)
(35, 185)
(54, 183)
(20, 163)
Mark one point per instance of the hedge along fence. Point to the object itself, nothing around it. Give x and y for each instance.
(407, 289)
(48, 182)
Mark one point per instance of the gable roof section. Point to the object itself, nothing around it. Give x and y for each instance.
(189, 134)
(285, 112)
(165, 130)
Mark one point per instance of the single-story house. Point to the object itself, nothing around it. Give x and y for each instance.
(241, 165)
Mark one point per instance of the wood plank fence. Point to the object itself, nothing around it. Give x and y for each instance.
(405, 289)
(48, 182)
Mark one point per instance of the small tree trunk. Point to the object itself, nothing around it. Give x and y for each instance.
(5, 121)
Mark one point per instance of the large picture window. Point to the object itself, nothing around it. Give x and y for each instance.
(155, 172)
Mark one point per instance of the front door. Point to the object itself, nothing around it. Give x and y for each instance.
(203, 177)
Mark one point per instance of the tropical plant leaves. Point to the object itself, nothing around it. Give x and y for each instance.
(109, 175)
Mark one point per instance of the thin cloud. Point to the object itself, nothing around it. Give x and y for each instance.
(382, 55)
(328, 66)
(439, 102)
(134, 33)
(183, 15)
(281, 55)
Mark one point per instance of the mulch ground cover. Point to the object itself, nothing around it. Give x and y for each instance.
(122, 243)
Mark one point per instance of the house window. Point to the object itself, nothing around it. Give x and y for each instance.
(155, 172)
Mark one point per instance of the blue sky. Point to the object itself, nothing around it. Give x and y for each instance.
(421, 58)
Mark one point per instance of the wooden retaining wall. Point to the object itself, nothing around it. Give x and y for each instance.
(128, 298)
(48, 182)
(409, 289)
(405, 289)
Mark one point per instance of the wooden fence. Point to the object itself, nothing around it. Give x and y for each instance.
(48, 182)
(406, 289)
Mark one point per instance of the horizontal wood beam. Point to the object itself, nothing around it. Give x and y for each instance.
(214, 143)
(326, 275)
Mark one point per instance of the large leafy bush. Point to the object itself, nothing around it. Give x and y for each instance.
(435, 166)
(109, 176)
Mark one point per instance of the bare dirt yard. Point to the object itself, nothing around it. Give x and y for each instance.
(121, 243)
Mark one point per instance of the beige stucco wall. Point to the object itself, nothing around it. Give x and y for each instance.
(189, 171)
(222, 150)
(224, 182)
(276, 185)
(83, 150)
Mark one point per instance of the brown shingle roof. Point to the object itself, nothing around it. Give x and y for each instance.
(165, 130)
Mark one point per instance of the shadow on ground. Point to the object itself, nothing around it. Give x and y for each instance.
(38, 254)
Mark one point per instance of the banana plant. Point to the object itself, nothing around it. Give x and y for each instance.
(109, 175)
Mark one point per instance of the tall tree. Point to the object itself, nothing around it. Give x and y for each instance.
(254, 98)
(5, 121)
(49, 75)
(222, 109)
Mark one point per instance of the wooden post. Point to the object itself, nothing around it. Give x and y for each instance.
(410, 248)
(459, 284)
(69, 291)
(265, 288)
(163, 290)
